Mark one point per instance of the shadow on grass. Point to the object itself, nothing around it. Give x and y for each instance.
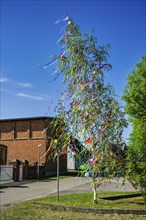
(121, 197)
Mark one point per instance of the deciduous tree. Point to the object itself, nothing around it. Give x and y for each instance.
(135, 98)
(135, 91)
(89, 109)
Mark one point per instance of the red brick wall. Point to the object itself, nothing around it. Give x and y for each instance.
(21, 129)
(5, 130)
(22, 137)
(25, 150)
(36, 129)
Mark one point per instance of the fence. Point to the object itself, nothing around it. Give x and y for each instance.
(6, 172)
(16, 173)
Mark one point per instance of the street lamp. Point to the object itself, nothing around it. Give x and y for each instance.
(39, 160)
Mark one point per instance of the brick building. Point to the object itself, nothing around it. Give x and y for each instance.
(25, 138)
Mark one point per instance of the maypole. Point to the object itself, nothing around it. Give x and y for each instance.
(88, 110)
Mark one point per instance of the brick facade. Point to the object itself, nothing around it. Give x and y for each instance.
(22, 136)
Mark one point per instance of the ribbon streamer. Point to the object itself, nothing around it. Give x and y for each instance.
(50, 63)
(60, 20)
(55, 78)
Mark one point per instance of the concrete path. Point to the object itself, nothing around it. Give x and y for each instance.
(23, 191)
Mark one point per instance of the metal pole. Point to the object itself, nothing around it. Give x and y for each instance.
(38, 161)
(58, 178)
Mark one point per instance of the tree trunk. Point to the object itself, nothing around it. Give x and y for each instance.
(94, 191)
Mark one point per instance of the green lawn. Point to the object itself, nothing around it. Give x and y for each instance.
(86, 200)
(30, 211)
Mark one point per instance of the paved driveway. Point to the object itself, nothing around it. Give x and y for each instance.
(19, 192)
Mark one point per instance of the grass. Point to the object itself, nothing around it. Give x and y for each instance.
(29, 211)
(86, 200)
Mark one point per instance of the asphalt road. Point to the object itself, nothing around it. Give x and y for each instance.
(24, 191)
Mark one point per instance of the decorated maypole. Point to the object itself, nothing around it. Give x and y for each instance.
(88, 110)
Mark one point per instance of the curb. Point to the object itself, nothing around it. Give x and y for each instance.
(93, 210)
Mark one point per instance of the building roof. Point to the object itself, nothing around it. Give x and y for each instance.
(27, 118)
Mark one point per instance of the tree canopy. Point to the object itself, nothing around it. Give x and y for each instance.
(135, 91)
(135, 98)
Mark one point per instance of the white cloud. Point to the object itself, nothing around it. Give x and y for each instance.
(21, 84)
(30, 96)
(25, 85)
(3, 79)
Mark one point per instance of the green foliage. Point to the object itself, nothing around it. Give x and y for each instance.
(135, 91)
(135, 98)
(137, 157)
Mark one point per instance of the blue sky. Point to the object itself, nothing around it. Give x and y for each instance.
(29, 35)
